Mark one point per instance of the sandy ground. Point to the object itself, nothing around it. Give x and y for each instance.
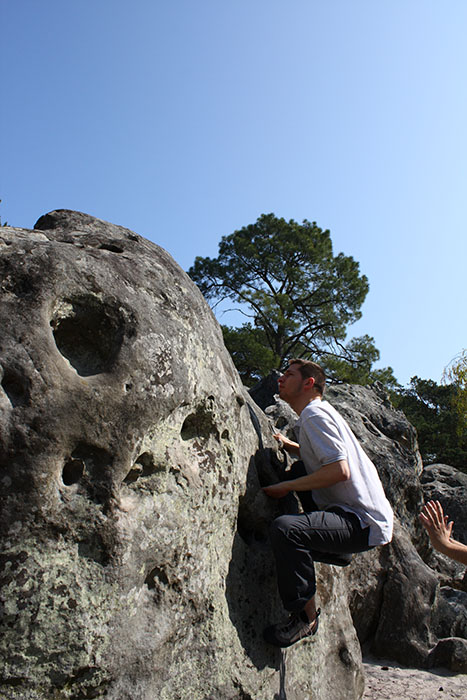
(387, 680)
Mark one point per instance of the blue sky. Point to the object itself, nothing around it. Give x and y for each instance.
(185, 121)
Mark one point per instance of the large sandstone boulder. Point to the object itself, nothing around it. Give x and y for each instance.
(135, 563)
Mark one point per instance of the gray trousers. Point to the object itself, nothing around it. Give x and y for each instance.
(298, 541)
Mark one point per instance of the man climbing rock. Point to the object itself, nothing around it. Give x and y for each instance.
(348, 511)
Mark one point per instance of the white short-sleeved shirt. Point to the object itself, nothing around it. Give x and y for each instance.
(325, 437)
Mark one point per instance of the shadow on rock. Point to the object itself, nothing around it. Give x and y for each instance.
(252, 599)
(251, 590)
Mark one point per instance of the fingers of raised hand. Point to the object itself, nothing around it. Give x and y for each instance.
(279, 438)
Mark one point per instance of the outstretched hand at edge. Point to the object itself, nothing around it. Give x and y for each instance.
(436, 523)
(439, 530)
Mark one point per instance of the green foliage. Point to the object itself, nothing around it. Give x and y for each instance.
(429, 407)
(299, 296)
(456, 374)
(249, 351)
(355, 366)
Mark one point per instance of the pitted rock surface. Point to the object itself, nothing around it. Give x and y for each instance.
(135, 562)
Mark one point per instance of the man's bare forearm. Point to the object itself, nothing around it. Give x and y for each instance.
(326, 476)
(455, 550)
(288, 445)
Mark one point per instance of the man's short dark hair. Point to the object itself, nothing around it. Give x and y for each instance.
(311, 369)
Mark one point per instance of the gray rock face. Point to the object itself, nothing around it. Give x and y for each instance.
(450, 619)
(135, 562)
(450, 652)
(404, 628)
(265, 389)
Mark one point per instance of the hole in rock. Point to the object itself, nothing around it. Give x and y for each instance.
(15, 387)
(89, 333)
(281, 422)
(144, 466)
(156, 575)
(90, 466)
(94, 549)
(112, 247)
(345, 657)
(199, 425)
(72, 471)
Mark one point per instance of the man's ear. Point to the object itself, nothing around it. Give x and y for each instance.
(309, 382)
